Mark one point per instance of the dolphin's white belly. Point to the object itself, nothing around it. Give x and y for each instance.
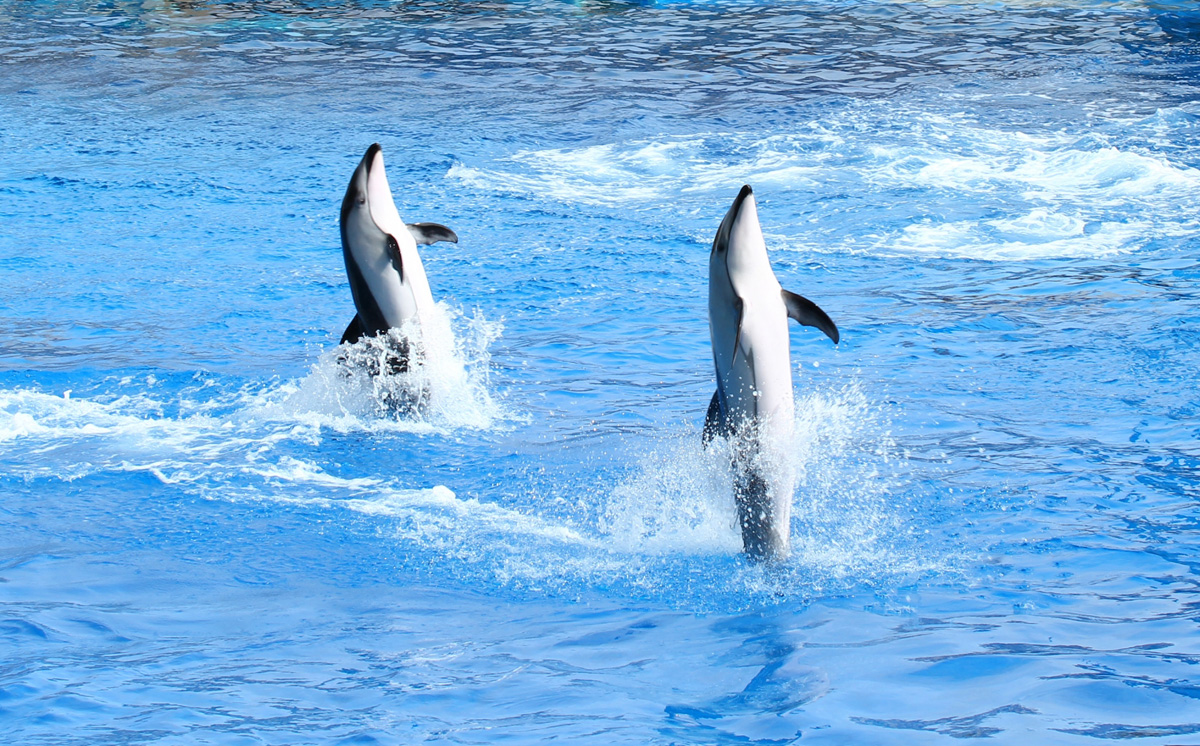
(764, 472)
(758, 383)
(395, 300)
(398, 299)
(415, 279)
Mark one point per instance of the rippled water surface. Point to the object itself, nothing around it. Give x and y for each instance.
(211, 534)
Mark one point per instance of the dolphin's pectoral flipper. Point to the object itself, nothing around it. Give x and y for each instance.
(809, 314)
(739, 307)
(393, 250)
(428, 233)
(354, 331)
(714, 421)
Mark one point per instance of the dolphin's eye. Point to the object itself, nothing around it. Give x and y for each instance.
(362, 200)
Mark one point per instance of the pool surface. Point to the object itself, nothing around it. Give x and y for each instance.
(209, 534)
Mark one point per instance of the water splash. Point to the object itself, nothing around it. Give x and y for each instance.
(851, 512)
(665, 531)
(355, 387)
(227, 441)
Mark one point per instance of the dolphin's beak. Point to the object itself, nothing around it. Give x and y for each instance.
(379, 193)
(376, 186)
(742, 195)
(721, 242)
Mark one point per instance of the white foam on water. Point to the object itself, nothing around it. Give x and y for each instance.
(849, 520)
(672, 516)
(679, 500)
(211, 436)
(1058, 195)
(68, 437)
(295, 472)
(351, 388)
(438, 518)
(1040, 233)
(1046, 167)
(639, 174)
(1095, 192)
(233, 458)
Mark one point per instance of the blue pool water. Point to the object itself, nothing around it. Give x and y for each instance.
(210, 536)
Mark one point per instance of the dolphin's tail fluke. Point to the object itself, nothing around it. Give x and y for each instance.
(763, 539)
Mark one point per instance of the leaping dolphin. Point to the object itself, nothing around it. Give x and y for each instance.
(387, 278)
(752, 407)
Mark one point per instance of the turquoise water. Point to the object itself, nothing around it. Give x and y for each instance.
(211, 536)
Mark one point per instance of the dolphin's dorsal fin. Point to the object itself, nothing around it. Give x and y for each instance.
(810, 314)
(427, 233)
(714, 421)
(354, 331)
